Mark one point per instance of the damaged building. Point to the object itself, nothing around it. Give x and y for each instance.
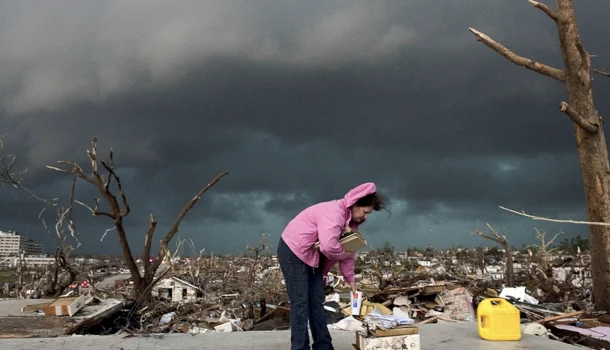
(176, 290)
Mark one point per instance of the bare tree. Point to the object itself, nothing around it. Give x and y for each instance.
(20, 273)
(196, 261)
(62, 274)
(589, 132)
(545, 252)
(118, 209)
(254, 253)
(503, 241)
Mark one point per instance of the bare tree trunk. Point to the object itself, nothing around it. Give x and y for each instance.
(20, 272)
(588, 125)
(592, 150)
(509, 274)
(545, 251)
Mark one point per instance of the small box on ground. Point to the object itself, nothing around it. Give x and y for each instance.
(65, 306)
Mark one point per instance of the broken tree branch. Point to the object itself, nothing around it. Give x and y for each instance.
(528, 63)
(174, 229)
(545, 9)
(577, 118)
(14, 178)
(152, 223)
(533, 217)
(601, 72)
(94, 212)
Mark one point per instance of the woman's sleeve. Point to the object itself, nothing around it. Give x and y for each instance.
(330, 225)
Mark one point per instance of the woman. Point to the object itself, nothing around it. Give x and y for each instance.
(304, 266)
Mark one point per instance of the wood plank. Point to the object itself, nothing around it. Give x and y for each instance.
(560, 317)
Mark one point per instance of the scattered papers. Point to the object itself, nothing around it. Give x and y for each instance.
(375, 320)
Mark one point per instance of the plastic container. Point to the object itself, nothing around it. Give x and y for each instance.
(356, 302)
(498, 320)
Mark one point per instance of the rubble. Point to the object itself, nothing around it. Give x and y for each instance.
(237, 294)
(37, 318)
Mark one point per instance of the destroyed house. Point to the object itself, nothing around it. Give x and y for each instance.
(176, 290)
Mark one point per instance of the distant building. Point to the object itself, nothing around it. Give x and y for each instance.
(176, 290)
(29, 261)
(12, 243)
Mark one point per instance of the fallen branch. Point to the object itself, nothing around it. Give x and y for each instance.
(555, 220)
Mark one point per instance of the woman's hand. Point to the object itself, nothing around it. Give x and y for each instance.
(354, 287)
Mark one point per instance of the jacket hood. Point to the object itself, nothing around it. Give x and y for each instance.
(358, 192)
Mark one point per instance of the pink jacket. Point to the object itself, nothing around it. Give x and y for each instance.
(324, 222)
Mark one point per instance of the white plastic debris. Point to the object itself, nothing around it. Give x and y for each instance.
(347, 324)
(333, 297)
(402, 301)
(228, 327)
(167, 318)
(519, 294)
(402, 312)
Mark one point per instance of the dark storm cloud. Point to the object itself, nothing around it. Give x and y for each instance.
(300, 104)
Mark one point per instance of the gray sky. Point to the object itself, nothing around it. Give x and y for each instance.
(300, 101)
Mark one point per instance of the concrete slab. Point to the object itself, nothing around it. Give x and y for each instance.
(435, 336)
(12, 307)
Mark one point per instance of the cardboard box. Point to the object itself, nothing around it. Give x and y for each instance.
(66, 306)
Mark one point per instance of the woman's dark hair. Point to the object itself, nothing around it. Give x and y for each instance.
(372, 200)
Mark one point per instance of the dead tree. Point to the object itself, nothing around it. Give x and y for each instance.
(544, 249)
(20, 273)
(589, 132)
(254, 253)
(501, 240)
(118, 209)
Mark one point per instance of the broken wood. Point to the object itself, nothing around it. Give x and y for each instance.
(428, 320)
(560, 317)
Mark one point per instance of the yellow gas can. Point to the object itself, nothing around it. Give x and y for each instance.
(498, 320)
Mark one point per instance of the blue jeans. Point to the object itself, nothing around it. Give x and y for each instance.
(306, 294)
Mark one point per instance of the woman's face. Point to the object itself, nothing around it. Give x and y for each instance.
(360, 213)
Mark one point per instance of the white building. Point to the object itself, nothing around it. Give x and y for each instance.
(29, 261)
(86, 261)
(176, 290)
(12, 243)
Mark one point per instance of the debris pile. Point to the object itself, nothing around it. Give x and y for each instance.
(570, 322)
